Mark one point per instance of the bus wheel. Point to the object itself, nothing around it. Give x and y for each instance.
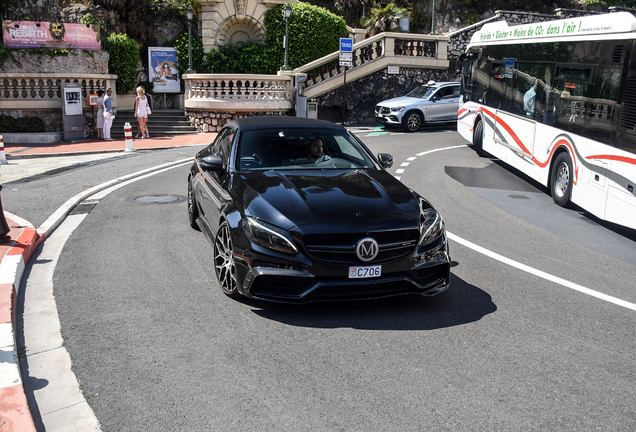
(412, 121)
(478, 138)
(561, 180)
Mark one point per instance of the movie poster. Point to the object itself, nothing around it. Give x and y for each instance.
(54, 35)
(163, 70)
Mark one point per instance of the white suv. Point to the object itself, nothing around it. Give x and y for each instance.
(429, 103)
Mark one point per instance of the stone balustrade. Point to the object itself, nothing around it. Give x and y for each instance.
(238, 92)
(211, 100)
(41, 91)
(373, 54)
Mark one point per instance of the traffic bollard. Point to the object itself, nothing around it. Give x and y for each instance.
(3, 156)
(129, 139)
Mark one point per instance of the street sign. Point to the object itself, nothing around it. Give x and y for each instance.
(346, 56)
(346, 63)
(346, 45)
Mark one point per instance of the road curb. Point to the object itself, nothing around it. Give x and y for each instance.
(15, 414)
(14, 408)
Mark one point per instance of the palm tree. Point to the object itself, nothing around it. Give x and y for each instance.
(384, 19)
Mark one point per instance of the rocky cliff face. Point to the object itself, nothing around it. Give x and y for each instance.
(75, 63)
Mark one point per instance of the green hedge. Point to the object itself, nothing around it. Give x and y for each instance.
(123, 61)
(314, 32)
(181, 44)
(249, 58)
(22, 124)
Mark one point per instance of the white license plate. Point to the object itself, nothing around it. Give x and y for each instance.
(365, 272)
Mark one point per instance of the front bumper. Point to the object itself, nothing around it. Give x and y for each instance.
(426, 272)
(390, 119)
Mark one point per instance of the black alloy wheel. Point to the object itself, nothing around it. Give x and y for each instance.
(412, 121)
(193, 212)
(561, 180)
(478, 138)
(224, 265)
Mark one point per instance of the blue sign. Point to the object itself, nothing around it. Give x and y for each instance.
(346, 45)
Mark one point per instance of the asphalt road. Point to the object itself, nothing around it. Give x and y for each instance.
(156, 345)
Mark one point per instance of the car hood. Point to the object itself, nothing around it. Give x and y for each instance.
(368, 199)
(401, 101)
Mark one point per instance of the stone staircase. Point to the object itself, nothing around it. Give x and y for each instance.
(161, 122)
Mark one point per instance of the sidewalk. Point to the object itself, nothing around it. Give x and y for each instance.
(91, 146)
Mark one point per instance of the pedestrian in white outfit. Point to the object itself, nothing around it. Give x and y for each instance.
(108, 115)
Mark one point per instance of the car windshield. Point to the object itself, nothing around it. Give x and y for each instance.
(422, 92)
(289, 148)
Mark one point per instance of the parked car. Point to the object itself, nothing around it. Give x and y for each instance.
(299, 210)
(429, 103)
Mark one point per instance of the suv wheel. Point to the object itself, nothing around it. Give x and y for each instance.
(412, 121)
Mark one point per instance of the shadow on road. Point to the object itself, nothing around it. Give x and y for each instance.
(461, 304)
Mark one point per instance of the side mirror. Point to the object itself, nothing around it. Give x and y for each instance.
(386, 160)
(211, 163)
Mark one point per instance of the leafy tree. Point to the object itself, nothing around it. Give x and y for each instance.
(384, 19)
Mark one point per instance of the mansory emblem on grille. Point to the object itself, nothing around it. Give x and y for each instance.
(367, 249)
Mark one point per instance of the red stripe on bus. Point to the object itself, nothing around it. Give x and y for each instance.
(525, 149)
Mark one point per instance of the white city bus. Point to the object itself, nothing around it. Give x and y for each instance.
(557, 101)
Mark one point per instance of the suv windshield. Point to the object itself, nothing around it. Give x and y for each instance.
(422, 92)
(289, 148)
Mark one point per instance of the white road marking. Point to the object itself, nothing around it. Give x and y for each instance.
(528, 269)
(541, 274)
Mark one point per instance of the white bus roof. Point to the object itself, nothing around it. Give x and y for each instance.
(566, 29)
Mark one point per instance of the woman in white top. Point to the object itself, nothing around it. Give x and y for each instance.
(141, 112)
(99, 123)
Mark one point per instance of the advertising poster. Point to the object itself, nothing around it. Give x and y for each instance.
(55, 35)
(164, 72)
(73, 101)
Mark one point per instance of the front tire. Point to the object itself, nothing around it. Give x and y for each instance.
(412, 121)
(561, 180)
(224, 264)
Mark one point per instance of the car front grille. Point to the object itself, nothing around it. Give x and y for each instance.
(340, 248)
(382, 110)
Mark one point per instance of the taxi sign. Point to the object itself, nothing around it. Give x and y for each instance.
(346, 45)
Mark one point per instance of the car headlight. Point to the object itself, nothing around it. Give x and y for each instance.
(269, 236)
(397, 109)
(431, 224)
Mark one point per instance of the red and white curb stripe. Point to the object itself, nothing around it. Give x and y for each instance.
(14, 409)
(129, 139)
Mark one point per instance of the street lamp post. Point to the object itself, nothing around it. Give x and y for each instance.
(190, 13)
(433, 19)
(287, 11)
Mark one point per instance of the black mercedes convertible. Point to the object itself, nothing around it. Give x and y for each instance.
(299, 210)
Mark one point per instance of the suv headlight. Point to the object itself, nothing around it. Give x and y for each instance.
(431, 224)
(269, 236)
(397, 109)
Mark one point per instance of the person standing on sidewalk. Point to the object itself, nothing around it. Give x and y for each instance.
(99, 123)
(141, 112)
(108, 115)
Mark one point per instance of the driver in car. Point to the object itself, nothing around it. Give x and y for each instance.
(315, 152)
